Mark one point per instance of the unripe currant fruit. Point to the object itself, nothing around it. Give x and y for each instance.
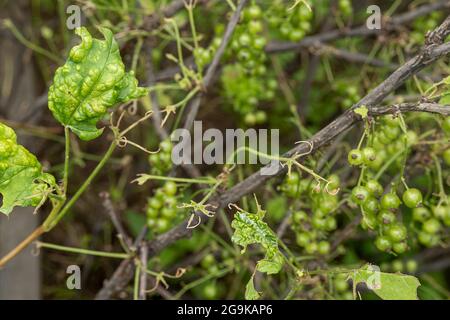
(369, 155)
(412, 198)
(355, 157)
(400, 247)
(374, 188)
(360, 195)
(431, 226)
(396, 232)
(386, 217)
(390, 201)
(383, 243)
(421, 214)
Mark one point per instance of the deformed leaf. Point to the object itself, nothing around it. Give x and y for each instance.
(22, 181)
(250, 291)
(388, 286)
(249, 228)
(92, 80)
(271, 264)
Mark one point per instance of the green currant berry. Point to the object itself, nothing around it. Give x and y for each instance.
(411, 266)
(360, 195)
(255, 26)
(210, 291)
(440, 212)
(168, 213)
(319, 223)
(374, 188)
(311, 248)
(383, 243)
(299, 216)
(155, 203)
(369, 155)
(162, 225)
(421, 214)
(400, 247)
(397, 265)
(396, 232)
(427, 239)
(355, 157)
(340, 284)
(261, 117)
(386, 217)
(412, 198)
(166, 146)
(330, 224)
(390, 201)
(170, 188)
(259, 43)
(431, 226)
(327, 205)
(152, 213)
(371, 205)
(296, 35)
(302, 239)
(254, 12)
(208, 261)
(250, 119)
(323, 247)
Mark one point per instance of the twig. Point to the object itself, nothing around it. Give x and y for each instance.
(112, 213)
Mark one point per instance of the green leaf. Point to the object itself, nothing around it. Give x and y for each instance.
(250, 291)
(92, 80)
(271, 265)
(362, 111)
(22, 181)
(249, 228)
(388, 286)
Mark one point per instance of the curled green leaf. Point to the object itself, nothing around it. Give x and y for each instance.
(92, 80)
(249, 228)
(22, 181)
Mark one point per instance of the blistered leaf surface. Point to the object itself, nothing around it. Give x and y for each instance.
(92, 80)
(22, 181)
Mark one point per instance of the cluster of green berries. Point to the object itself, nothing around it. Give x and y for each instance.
(162, 211)
(292, 25)
(398, 265)
(386, 141)
(246, 82)
(429, 223)
(161, 162)
(312, 230)
(245, 93)
(380, 213)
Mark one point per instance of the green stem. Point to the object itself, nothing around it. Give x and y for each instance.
(66, 159)
(388, 164)
(50, 223)
(115, 255)
(442, 194)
